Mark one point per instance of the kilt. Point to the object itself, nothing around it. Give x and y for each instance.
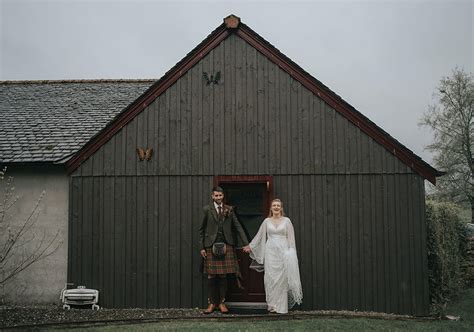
(221, 265)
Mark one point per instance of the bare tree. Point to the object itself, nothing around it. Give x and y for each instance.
(451, 120)
(20, 244)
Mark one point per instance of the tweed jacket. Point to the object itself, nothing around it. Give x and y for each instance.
(210, 224)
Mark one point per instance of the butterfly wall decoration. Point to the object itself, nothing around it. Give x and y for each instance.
(144, 154)
(214, 79)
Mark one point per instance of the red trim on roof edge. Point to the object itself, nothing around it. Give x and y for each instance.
(406, 156)
(145, 99)
(373, 131)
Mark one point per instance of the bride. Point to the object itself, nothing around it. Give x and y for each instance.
(273, 251)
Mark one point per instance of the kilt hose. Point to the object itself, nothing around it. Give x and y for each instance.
(221, 265)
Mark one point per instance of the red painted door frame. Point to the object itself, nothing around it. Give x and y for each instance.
(268, 179)
(256, 278)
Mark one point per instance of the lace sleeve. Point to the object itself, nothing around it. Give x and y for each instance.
(295, 292)
(257, 245)
(291, 234)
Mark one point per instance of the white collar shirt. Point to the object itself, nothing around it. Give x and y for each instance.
(216, 206)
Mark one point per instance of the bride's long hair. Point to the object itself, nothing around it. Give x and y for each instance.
(270, 213)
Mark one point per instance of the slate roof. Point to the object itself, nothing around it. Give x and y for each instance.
(48, 121)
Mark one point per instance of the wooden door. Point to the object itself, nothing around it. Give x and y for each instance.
(251, 197)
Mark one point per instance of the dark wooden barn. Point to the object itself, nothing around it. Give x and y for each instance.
(237, 112)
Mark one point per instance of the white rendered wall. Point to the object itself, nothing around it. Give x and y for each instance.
(42, 281)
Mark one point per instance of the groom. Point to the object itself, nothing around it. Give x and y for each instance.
(217, 241)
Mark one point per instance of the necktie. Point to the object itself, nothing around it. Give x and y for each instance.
(219, 208)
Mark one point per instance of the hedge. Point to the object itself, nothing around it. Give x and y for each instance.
(447, 242)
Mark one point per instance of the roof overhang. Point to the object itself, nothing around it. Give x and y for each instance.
(232, 24)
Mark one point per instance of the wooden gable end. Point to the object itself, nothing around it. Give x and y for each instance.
(263, 115)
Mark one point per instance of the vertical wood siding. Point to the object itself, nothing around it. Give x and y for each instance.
(359, 239)
(358, 211)
(351, 256)
(257, 120)
(136, 239)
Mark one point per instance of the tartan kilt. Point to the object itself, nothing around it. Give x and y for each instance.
(221, 265)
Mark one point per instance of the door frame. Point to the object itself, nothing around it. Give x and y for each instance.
(267, 179)
(243, 179)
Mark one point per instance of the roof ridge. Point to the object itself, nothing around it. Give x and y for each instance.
(121, 80)
(232, 25)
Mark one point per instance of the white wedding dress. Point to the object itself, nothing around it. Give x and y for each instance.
(274, 251)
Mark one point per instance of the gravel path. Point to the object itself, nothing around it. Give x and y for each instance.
(34, 315)
(44, 314)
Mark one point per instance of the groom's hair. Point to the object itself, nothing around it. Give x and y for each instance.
(218, 189)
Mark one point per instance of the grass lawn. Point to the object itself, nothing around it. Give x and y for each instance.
(464, 308)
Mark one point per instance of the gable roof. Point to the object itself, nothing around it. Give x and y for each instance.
(48, 121)
(232, 25)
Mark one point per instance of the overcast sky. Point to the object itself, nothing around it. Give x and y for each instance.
(385, 58)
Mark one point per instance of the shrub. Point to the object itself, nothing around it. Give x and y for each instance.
(446, 242)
